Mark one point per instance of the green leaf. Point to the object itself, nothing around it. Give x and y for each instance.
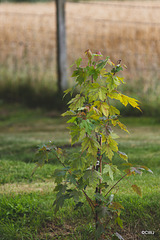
(100, 229)
(67, 91)
(108, 170)
(60, 199)
(41, 156)
(80, 74)
(116, 69)
(114, 135)
(93, 72)
(59, 173)
(112, 81)
(118, 220)
(68, 113)
(91, 145)
(87, 125)
(93, 176)
(112, 144)
(72, 120)
(99, 197)
(108, 151)
(75, 133)
(137, 190)
(116, 206)
(102, 63)
(93, 89)
(78, 162)
(76, 102)
(95, 92)
(78, 61)
(76, 195)
(103, 185)
(79, 204)
(72, 179)
(60, 188)
(82, 183)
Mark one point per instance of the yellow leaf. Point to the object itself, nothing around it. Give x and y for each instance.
(110, 62)
(103, 72)
(122, 126)
(113, 111)
(114, 95)
(132, 101)
(88, 53)
(112, 144)
(59, 151)
(123, 100)
(123, 155)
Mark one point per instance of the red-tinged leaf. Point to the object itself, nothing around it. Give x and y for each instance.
(89, 54)
(105, 109)
(110, 62)
(134, 169)
(137, 190)
(128, 171)
(147, 169)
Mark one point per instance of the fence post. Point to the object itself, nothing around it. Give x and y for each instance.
(61, 46)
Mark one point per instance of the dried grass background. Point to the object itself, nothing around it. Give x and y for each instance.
(122, 30)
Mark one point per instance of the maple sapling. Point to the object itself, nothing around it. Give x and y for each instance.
(90, 171)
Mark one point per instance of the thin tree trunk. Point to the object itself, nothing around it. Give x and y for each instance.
(98, 168)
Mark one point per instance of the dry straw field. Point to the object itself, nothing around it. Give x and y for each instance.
(128, 30)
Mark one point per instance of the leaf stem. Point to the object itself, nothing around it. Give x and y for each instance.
(115, 184)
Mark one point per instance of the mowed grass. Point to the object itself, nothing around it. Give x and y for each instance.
(27, 203)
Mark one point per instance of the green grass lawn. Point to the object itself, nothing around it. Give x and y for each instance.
(26, 203)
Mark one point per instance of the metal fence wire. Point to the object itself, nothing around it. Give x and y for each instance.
(129, 31)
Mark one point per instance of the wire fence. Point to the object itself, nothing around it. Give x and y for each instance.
(122, 31)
